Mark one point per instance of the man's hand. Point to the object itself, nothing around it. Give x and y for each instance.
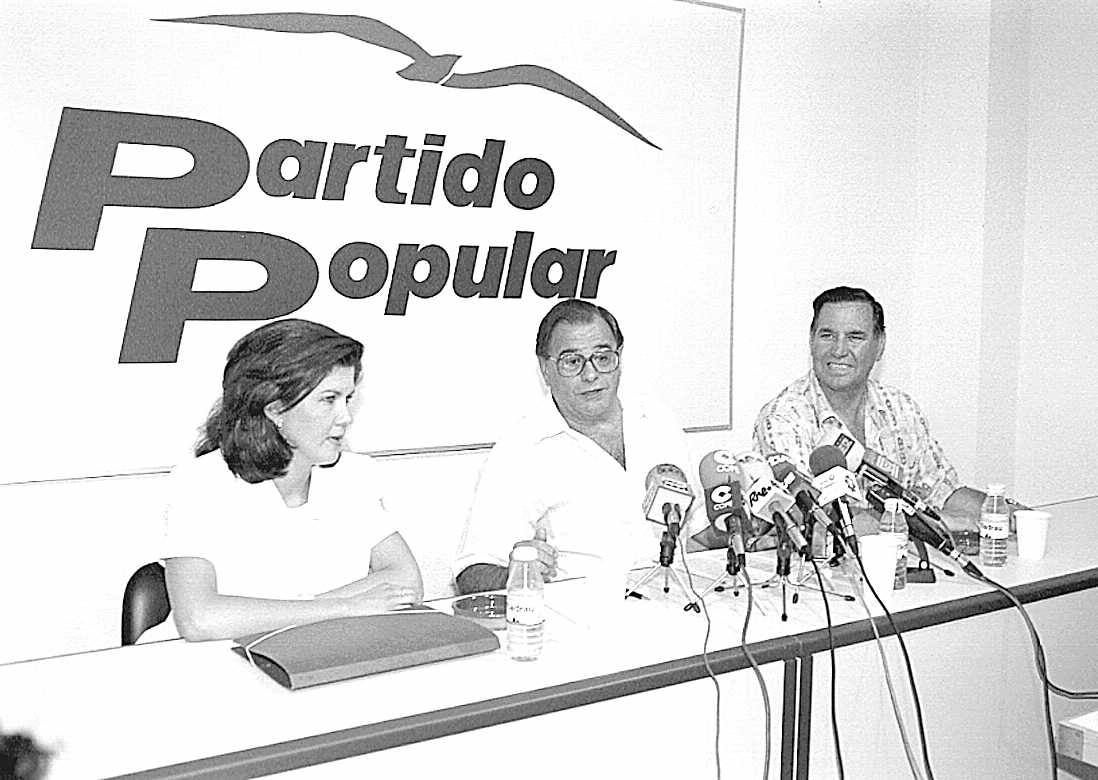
(1015, 506)
(547, 554)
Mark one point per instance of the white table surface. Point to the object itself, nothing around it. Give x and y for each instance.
(128, 709)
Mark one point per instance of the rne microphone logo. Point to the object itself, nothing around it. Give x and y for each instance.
(433, 68)
(758, 493)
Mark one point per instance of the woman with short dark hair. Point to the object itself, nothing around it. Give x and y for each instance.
(274, 524)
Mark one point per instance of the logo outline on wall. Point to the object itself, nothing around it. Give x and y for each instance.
(433, 68)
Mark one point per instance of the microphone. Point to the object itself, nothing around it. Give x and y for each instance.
(668, 496)
(853, 452)
(752, 468)
(836, 484)
(878, 470)
(719, 475)
(925, 531)
(801, 490)
(769, 500)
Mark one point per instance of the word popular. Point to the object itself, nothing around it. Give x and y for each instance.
(80, 184)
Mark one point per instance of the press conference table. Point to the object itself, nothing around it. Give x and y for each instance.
(627, 695)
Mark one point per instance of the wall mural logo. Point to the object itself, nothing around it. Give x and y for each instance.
(428, 67)
(80, 183)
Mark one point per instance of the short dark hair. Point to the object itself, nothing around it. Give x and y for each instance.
(280, 362)
(849, 295)
(576, 312)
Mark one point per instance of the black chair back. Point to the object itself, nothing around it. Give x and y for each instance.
(144, 602)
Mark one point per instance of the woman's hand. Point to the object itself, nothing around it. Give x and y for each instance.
(382, 597)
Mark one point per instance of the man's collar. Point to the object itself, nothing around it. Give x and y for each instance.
(544, 420)
(818, 398)
(824, 409)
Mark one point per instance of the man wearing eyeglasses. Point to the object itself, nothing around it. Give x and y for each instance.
(569, 478)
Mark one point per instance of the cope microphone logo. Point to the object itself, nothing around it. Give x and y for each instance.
(79, 184)
(725, 462)
(721, 497)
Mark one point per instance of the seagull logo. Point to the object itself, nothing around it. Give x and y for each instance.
(434, 68)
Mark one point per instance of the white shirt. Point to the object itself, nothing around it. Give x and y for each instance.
(544, 473)
(260, 547)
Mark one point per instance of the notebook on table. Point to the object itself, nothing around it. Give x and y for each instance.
(339, 649)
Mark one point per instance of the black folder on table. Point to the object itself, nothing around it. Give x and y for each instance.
(343, 648)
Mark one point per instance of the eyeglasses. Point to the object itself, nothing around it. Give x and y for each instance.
(572, 364)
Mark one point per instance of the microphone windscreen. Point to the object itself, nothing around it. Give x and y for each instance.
(664, 471)
(782, 470)
(922, 531)
(717, 468)
(825, 458)
(720, 482)
(666, 485)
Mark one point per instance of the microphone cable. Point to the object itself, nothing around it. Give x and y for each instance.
(831, 651)
(907, 664)
(1038, 647)
(911, 762)
(705, 660)
(750, 659)
(758, 672)
(1042, 670)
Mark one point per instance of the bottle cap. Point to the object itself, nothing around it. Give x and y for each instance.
(996, 489)
(892, 505)
(524, 552)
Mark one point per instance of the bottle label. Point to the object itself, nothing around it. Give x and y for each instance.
(525, 609)
(901, 543)
(994, 526)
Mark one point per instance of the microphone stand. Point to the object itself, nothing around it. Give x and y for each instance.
(781, 572)
(733, 572)
(668, 541)
(805, 579)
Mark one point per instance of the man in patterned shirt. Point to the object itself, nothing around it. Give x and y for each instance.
(846, 339)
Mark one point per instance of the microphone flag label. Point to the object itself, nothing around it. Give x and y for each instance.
(836, 483)
(666, 485)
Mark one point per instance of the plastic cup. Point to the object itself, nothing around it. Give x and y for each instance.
(878, 553)
(1032, 527)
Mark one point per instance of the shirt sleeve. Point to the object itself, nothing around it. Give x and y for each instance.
(934, 478)
(185, 524)
(504, 510)
(781, 430)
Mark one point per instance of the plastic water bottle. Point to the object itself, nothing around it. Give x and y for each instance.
(894, 525)
(994, 527)
(525, 604)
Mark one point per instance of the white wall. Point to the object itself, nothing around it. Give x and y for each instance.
(862, 163)
(940, 155)
(1056, 420)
